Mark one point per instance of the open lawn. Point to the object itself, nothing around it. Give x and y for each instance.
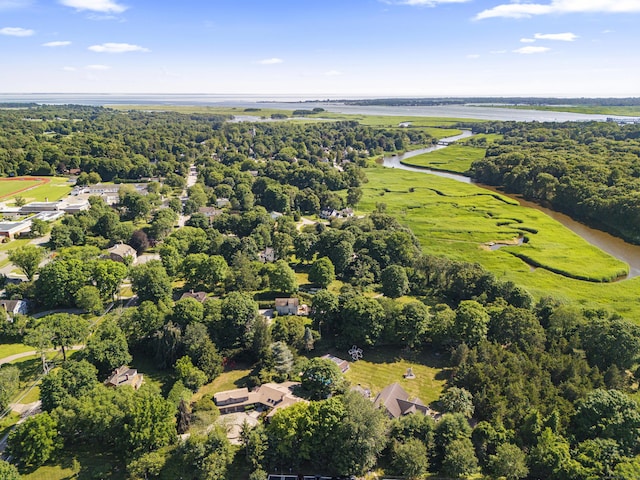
(87, 465)
(455, 220)
(230, 379)
(382, 367)
(7, 349)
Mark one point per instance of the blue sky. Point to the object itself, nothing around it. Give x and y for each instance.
(322, 48)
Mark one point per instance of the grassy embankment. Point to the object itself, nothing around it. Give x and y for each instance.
(455, 158)
(454, 220)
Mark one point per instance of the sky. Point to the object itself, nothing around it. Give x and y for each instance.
(322, 49)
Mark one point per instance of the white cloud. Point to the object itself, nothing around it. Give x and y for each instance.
(527, 10)
(69, 69)
(14, 4)
(562, 37)
(97, 67)
(270, 61)
(422, 3)
(527, 40)
(105, 6)
(16, 31)
(333, 73)
(530, 50)
(56, 44)
(117, 48)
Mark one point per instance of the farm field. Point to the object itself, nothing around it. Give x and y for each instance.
(34, 189)
(455, 220)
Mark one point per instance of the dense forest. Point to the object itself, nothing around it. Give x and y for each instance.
(535, 388)
(591, 171)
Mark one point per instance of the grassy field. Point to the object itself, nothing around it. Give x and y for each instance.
(34, 189)
(456, 158)
(382, 367)
(455, 220)
(228, 380)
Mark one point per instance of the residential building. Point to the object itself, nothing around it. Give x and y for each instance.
(287, 306)
(343, 365)
(125, 375)
(269, 396)
(121, 251)
(396, 402)
(199, 296)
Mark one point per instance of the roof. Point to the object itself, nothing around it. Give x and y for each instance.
(397, 403)
(199, 296)
(226, 396)
(342, 364)
(286, 302)
(124, 375)
(123, 250)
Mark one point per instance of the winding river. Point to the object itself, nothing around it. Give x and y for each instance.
(614, 246)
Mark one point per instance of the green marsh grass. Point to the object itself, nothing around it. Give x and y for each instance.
(453, 219)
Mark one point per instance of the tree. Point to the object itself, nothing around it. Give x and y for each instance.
(27, 258)
(362, 321)
(282, 278)
(412, 323)
(187, 311)
(459, 458)
(509, 462)
(183, 417)
(147, 466)
(59, 281)
(202, 350)
(8, 471)
(151, 282)
(162, 223)
(88, 299)
(66, 330)
(192, 377)
(410, 458)
(72, 379)
(107, 348)
(471, 322)
(148, 423)
(33, 442)
(321, 378)
(608, 342)
(282, 359)
(457, 400)
(609, 414)
(39, 228)
(308, 339)
(9, 382)
(322, 272)
(108, 275)
(394, 281)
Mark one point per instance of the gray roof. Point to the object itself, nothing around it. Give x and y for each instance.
(397, 403)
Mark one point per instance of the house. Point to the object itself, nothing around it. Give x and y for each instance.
(397, 403)
(267, 255)
(121, 251)
(270, 396)
(210, 212)
(199, 296)
(287, 306)
(13, 307)
(37, 207)
(222, 202)
(124, 376)
(343, 365)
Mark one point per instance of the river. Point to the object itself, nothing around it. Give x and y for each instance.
(614, 246)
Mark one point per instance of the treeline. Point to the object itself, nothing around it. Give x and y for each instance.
(534, 101)
(47, 140)
(590, 171)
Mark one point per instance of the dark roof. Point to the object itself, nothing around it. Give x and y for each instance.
(397, 403)
(199, 296)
